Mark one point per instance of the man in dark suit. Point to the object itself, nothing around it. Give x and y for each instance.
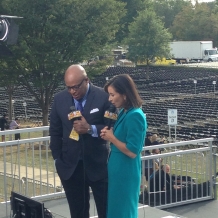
(80, 163)
(161, 180)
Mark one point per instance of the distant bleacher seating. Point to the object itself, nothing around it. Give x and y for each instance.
(166, 88)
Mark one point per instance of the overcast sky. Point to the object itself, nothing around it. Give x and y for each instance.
(200, 1)
(205, 1)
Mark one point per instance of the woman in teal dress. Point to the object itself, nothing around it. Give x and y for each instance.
(127, 139)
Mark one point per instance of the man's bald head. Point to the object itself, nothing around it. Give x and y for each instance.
(166, 168)
(75, 72)
(76, 81)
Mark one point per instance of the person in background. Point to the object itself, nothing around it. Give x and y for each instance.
(161, 180)
(127, 139)
(3, 122)
(79, 152)
(154, 140)
(15, 125)
(157, 161)
(149, 165)
(148, 139)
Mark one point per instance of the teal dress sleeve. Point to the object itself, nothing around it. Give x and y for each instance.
(135, 138)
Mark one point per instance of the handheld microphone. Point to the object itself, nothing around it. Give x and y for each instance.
(74, 115)
(72, 108)
(111, 115)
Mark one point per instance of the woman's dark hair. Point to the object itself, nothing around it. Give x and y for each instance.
(124, 85)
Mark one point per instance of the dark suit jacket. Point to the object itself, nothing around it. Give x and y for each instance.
(158, 181)
(66, 151)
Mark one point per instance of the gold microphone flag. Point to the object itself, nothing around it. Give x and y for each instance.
(75, 114)
(110, 115)
(74, 135)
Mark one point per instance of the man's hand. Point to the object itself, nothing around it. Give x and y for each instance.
(81, 126)
(176, 186)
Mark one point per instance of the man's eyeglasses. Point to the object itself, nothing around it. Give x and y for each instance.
(76, 87)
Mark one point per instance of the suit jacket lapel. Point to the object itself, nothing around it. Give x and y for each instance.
(69, 100)
(89, 100)
(121, 116)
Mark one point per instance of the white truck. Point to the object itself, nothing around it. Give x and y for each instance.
(191, 51)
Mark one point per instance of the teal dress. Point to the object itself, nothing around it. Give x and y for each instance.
(124, 173)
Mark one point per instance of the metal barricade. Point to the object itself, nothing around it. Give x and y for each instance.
(191, 177)
(32, 163)
(27, 167)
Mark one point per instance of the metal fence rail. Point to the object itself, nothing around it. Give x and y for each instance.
(192, 176)
(26, 132)
(30, 162)
(27, 167)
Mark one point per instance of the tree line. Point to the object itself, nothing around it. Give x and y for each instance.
(56, 33)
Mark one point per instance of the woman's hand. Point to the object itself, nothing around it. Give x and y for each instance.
(107, 134)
